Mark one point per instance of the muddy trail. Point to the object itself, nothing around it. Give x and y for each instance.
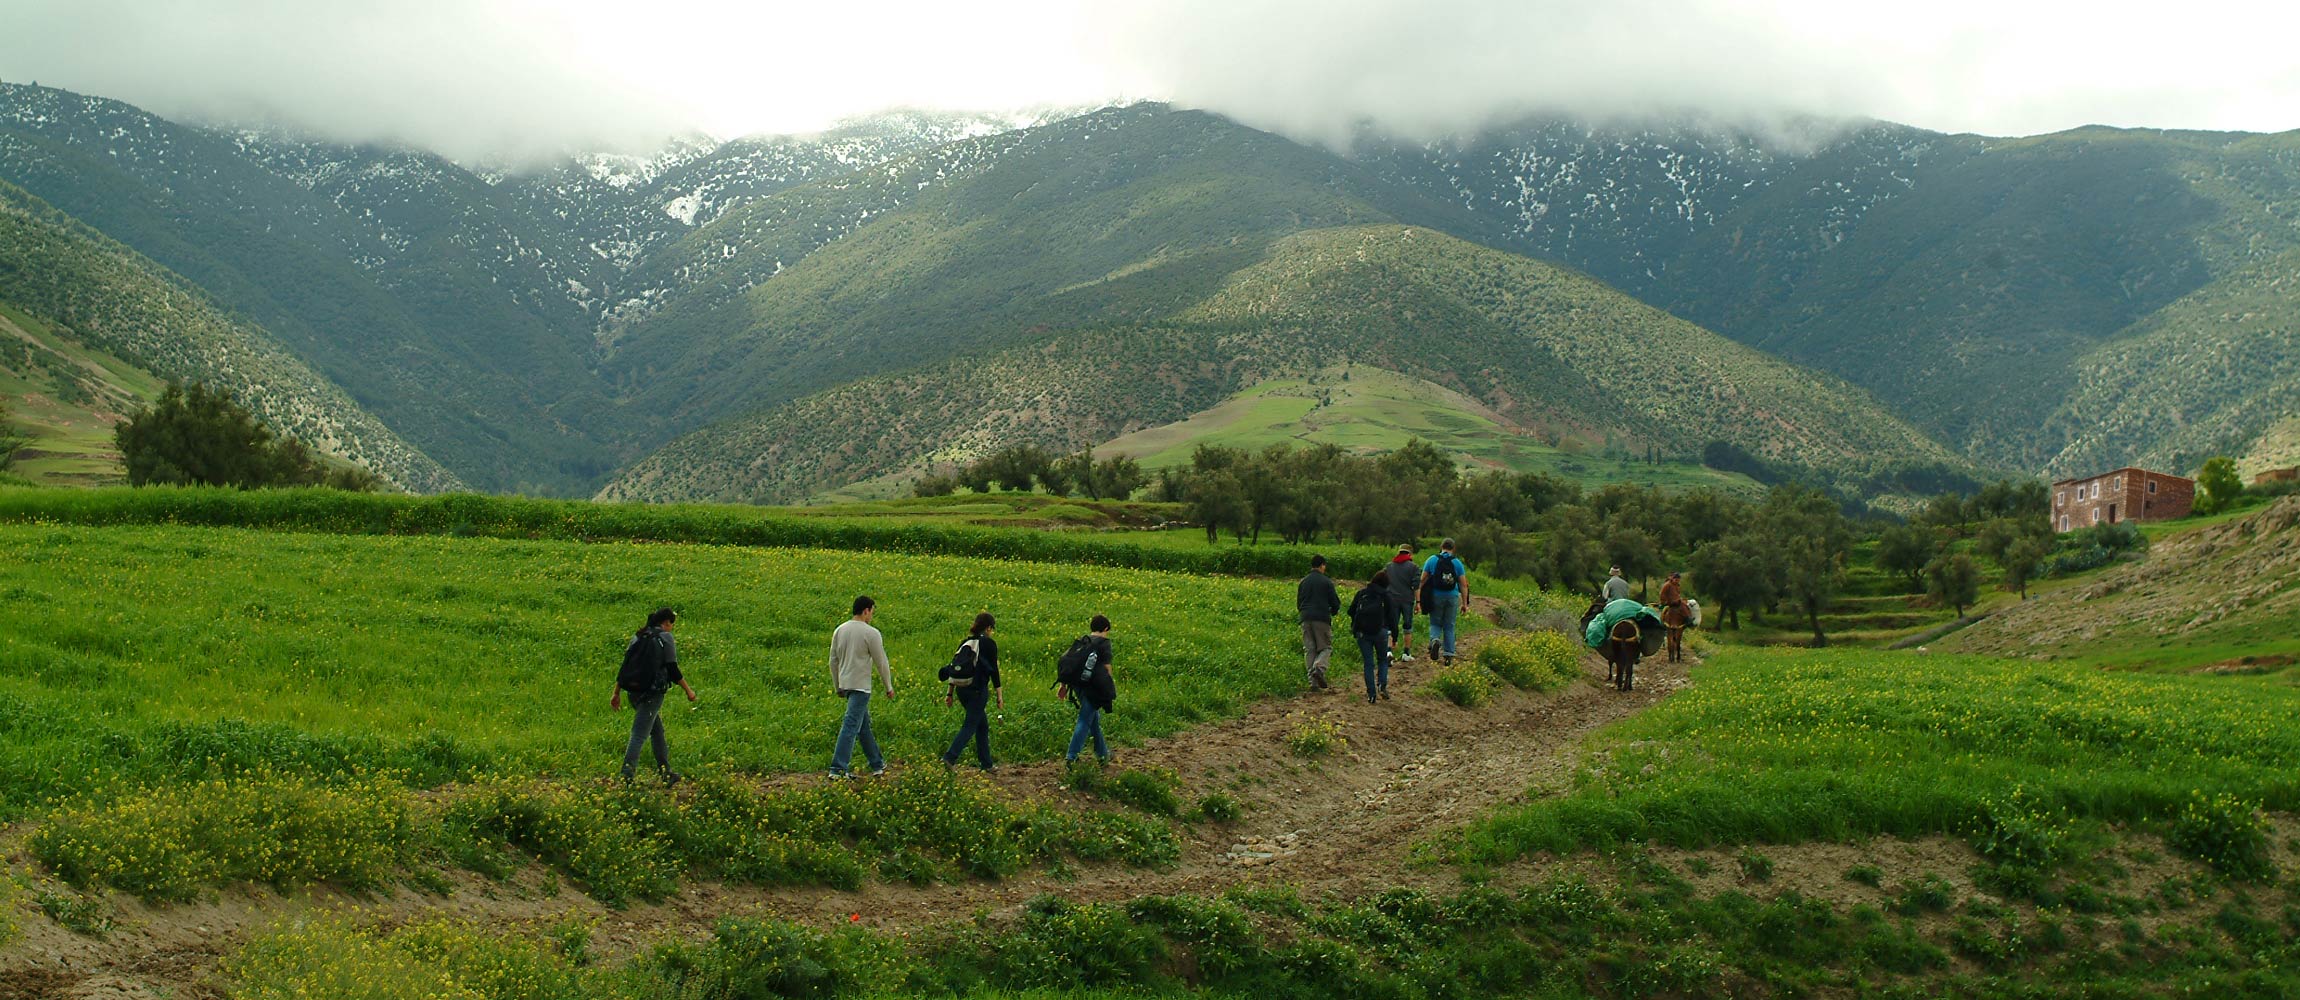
(1347, 824)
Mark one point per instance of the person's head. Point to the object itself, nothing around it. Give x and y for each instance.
(1406, 549)
(1446, 546)
(1318, 563)
(983, 623)
(1381, 578)
(1616, 571)
(663, 618)
(865, 608)
(1674, 576)
(1100, 625)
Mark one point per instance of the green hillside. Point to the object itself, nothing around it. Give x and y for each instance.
(122, 309)
(1368, 409)
(65, 398)
(1542, 348)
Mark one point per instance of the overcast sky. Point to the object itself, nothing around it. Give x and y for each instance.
(518, 77)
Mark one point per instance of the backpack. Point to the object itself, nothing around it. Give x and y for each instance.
(964, 665)
(1369, 613)
(643, 672)
(1076, 669)
(1445, 573)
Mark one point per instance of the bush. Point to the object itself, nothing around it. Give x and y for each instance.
(1152, 790)
(1465, 684)
(1532, 661)
(169, 842)
(1219, 808)
(2225, 832)
(1312, 737)
(596, 837)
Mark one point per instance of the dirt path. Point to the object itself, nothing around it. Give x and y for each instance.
(1346, 824)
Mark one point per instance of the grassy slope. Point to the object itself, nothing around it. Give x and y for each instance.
(1543, 348)
(66, 397)
(1369, 409)
(507, 649)
(98, 293)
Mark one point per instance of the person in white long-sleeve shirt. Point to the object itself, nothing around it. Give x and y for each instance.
(857, 651)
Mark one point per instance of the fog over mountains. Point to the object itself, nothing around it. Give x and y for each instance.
(2006, 304)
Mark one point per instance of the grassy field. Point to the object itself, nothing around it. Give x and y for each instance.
(1790, 746)
(1374, 410)
(65, 397)
(446, 654)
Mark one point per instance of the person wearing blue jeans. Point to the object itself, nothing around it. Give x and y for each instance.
(1095, 696)
(857, 651)
(1446, 580)
(974, 681)
(1370, 621)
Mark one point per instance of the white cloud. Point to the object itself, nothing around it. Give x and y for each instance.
(478, 77)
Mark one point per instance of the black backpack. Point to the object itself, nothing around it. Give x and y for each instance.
(965, 665)
(643, 671)
(1076, 669)
(1445, 573)
(1369, 612)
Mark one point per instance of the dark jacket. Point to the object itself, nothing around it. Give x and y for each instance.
(1316, 598)
(1370, 611)
(1102, 691)
(1405, 581)
(975, 677)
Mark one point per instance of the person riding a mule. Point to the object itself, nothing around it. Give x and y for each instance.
(1675, 615)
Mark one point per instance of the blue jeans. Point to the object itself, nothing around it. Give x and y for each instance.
(976, 727)
(1089, 723)
(1375, 650)
(646, 724)
(1445, 608)
(1402, 626)
(856, 725)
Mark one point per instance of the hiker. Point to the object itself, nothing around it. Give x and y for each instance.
(650, 667)
(1675, 615)
(1446, 582)
(1317, 601)
(1405, 582)
(1084, 676)
(857, 650)
(973, 677)
(1616, 588)
(1370, 620)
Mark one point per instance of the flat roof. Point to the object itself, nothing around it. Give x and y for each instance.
(2128, 468)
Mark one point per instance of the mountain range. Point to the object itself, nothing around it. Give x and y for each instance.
(772, 317)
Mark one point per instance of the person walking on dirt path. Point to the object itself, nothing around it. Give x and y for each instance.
(857, 651)
(1370, 620)
(650, 667)
(1616, 588)
(1085, 678)
(974, 681)
(1447, 578)
(1317, 602)
(1405, 582)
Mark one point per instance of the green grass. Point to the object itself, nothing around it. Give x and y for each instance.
(63, 395)
(442, 655)
(1374, 410)
(1783, 747)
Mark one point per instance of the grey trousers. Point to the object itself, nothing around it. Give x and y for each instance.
(646, 724)
(1317, 649)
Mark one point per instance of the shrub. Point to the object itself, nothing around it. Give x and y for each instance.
(1219, 808)
(596, 837)
(2225, 832)
(1755, 867)
(1868, 875)
(168, 842)
(1532, 661)
(1465, 684)
(1314, 737)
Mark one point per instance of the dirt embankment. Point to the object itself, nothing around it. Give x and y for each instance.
(2229, 580)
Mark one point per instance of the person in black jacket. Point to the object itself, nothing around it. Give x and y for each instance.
(1317, 601)
(647, 701)
(1096, 698)
(1370, 622)
(974, 681)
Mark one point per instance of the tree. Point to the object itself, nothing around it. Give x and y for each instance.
(2219, 484)
(194, 435)
(1733, 575)
(934, 486)
(1217, 501)
(11, 440)
(1568, 555)
(1905, 549)
(1117, 477)
(2022, 559)
(1809, 535)
(1073, 474)
(1954, 580)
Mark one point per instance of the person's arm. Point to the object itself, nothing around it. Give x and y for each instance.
(616, 703)
(835, 663)
(671, 667)
(878, 653)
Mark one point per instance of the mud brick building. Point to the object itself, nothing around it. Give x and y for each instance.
(2127, 494)
(2277, 476)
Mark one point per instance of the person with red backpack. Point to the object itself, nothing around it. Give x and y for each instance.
(1083, 676)
(650, 667)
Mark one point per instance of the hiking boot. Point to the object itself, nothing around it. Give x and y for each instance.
(838, 775)
(1385, 692)
(878, 772)
(627, 774)
(672, 778)
(1405, 657)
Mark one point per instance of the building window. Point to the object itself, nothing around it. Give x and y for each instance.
(2118, 484)
(2096, 515)
(2064, 522)
(2152, 486)
(2060, 499)
(2080, 494)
